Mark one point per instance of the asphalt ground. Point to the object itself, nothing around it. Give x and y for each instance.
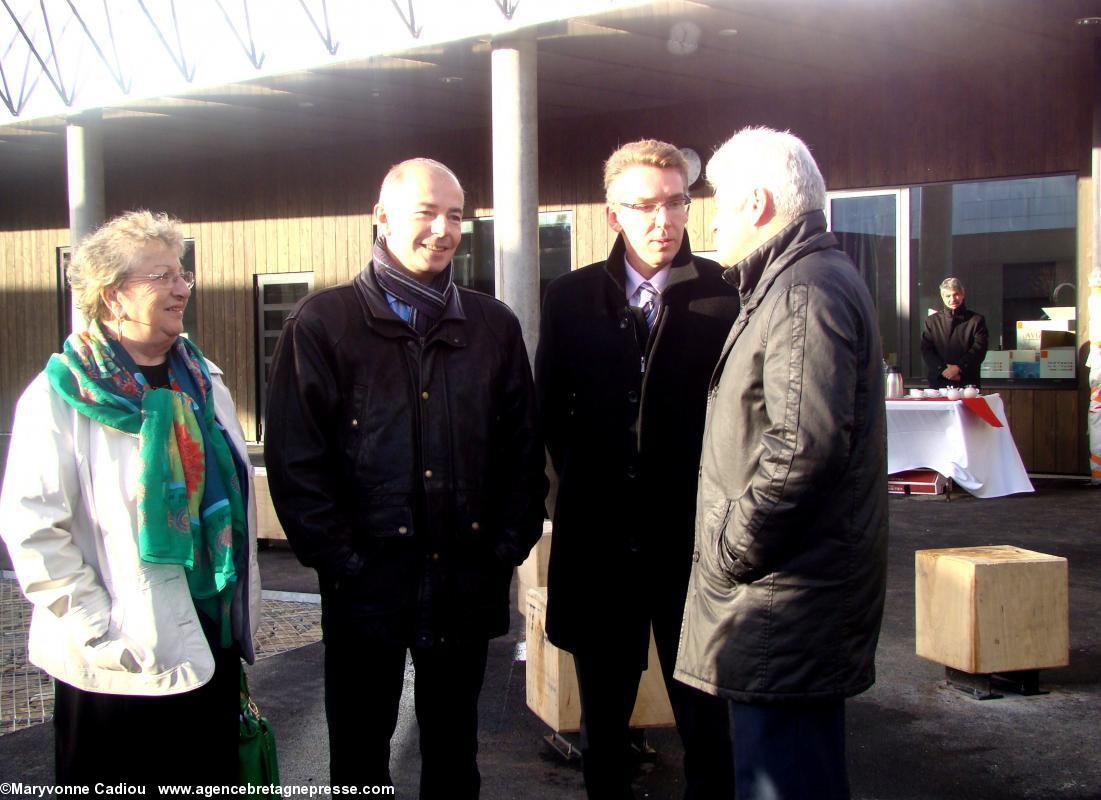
(910, 736)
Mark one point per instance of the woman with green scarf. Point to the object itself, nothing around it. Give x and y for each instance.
(127, 510)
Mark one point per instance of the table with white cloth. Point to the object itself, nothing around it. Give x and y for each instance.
(965, 440)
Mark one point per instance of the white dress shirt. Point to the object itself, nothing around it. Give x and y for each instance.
(634, 281)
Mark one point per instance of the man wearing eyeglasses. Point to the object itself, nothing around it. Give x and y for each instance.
(626, 349)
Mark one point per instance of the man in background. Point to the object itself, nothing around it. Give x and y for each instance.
(953, 340)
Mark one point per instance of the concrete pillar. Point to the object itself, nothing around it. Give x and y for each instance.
(1096, 158)
(84, 163)
(516, 181)
(1094, 302)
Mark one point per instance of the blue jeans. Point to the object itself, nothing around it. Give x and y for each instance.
(790, 751)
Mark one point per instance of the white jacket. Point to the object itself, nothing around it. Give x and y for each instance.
(103, 619)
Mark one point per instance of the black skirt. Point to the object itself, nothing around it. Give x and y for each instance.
(188, 738)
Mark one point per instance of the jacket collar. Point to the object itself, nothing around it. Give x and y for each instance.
(755, 273)
(682, 269)
(382, 318)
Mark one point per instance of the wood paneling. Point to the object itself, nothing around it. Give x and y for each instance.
(1049, 428)
(311, 210)
(31, 230)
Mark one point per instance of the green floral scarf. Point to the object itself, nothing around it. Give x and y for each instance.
(190, 506)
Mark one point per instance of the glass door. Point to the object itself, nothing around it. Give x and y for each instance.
(871, 226)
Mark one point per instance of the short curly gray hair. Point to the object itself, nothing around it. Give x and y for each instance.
(105, 257)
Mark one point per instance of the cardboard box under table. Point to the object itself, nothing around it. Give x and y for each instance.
(917, 481)
(997, 612)
(552, 682)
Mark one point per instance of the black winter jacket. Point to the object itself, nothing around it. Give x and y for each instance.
(409, 472)
(958, 337)
(625, 443)
(789, 571)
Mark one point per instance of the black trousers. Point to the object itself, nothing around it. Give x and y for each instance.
(790, 751)
(188, 738)
(363, 686)
(608, 686)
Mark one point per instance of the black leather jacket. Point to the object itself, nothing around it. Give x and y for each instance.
(789, 572)
(409, 472)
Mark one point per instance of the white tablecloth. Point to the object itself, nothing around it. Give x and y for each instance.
(945, 436)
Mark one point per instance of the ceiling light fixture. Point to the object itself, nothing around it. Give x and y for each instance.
(451, 79)
(1086, 22)
(684, 38)
(728, 32)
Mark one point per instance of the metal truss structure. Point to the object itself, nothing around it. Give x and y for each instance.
(40, 31)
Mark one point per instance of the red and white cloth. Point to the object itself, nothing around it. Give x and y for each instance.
(966, 440)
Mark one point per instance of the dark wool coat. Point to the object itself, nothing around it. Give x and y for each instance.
(625, 442)
(958, 337)
(789, 571)
(408, 471)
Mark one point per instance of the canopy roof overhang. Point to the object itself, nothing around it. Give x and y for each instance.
(619, 59)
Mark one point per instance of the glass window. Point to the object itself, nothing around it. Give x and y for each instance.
(1013, 245)
(276, 296)
(474, 256)
(866, 226)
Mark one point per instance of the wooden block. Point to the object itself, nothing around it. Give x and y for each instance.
(992, 609)
(267, 523)
(533, 572)
(552, 681)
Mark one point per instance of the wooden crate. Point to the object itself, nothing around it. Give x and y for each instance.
(552, 681)
(267, 523)
(992, 609)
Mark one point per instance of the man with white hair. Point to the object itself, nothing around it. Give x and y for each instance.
(406, 466)
(788, 577)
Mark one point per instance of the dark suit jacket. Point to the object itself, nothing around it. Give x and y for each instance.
(625, 443)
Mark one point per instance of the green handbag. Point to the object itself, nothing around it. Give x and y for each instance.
(259, 765)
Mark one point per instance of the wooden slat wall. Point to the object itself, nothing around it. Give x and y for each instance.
(311, 210)
(31, 230)
(1049, 427)
(905, 131)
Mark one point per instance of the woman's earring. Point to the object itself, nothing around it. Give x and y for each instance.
(118, 328)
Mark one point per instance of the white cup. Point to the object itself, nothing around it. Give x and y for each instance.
(953, 394)
(932, 393)
(917, 393)
(971, 391)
